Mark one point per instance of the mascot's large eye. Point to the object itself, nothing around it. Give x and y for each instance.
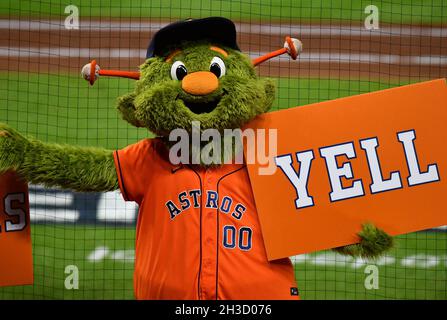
(178, 70)
(217, 66)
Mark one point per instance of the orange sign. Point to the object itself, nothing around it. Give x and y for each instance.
(379, 157)
(16, 261)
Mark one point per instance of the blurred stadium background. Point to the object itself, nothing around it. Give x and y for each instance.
(42, 94)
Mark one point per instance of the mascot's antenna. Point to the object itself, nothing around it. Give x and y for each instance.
(292, 46)
(91, 71)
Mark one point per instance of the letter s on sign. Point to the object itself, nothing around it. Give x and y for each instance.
(10, 212)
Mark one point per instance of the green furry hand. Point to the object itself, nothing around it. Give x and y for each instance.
(373, 243)
(12, 148)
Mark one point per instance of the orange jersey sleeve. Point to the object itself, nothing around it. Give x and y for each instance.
(132, 169)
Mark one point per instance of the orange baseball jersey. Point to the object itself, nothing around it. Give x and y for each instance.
(16, 260)
(198, 233)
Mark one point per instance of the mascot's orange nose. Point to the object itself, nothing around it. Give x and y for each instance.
(200, 83)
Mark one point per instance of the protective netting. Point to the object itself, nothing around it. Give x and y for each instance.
(349, 48)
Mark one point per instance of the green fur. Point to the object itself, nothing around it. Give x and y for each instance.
(158, 100)
(54, 165)
(127, 109)
(373, 243)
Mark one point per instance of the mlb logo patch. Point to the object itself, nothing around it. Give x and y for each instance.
(294, 291)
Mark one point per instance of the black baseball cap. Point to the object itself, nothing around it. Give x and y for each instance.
(217, 30)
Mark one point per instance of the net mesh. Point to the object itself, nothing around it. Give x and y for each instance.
(347, 50)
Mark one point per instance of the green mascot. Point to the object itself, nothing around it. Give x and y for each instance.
(198, 234)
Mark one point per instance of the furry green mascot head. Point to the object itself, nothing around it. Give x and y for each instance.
(195, 72)
(215, 85)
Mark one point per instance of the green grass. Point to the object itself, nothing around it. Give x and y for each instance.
(57, 246)
(427, 279)
(65, 109)
(403, 11)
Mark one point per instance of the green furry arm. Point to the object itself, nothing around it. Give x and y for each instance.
(373, 243)
(68, 167)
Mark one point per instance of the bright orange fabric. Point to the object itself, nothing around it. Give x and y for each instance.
(16, 260)
(418, 108)
(185, 255)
